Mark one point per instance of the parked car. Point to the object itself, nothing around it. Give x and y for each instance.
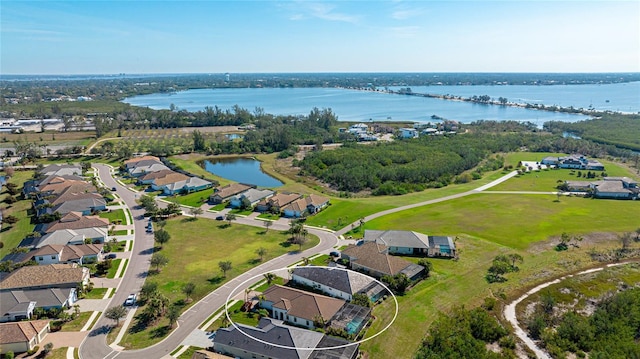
(334, 254)
(113, 189)
(111, 256)
(220, 218)
(149, 230)
(131, 300)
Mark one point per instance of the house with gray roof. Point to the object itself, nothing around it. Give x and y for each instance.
(188, 184)
(19, 304)
(85, 203)
(61, 170)
(336, 282)
(140, 168)
(252, 195)
(293, 343)
(412, 243)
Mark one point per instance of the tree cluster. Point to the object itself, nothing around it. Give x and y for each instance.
(503, 264)
(400, 167)
(465, 334)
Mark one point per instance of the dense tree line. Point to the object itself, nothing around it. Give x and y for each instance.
(465, 334)
(410, 165)
(611, 129)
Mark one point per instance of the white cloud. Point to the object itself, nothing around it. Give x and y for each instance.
(324, 11)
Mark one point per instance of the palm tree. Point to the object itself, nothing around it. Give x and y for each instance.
(270, 277)
(268, 224)
(173, 315)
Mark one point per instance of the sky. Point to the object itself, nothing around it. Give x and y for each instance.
(135, 37)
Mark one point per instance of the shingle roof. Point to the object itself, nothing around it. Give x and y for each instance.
(406, 239)
(231, 190)
(10, 300)
(270, 331)
(75, 220)
(138, 159)
(170, 178)
(254, 195)
(189, 182)
(283, 199)
(157, 174)
(44, 275)
(375, 256)
(343, 280)
(19, 332)
(303, 304)
(68, 252)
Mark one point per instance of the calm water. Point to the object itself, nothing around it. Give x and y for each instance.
(622, 97)
(244, 170)
(351, 105)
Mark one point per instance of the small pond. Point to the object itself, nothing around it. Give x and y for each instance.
(239, 169)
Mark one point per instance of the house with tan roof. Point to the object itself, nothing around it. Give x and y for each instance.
(75, 220)
(299, 307)
(151, 176)
(277, 202)
(374, 259)
(35, 186)
(56, 253)
(224, 193)
(46, 276)
(21, 337)
(311, 204)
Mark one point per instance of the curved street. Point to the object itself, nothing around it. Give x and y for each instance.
(95, 346)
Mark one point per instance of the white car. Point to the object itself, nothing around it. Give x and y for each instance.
(131, 300)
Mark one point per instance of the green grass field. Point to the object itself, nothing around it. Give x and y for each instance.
(76, 324)
(195, 248)
(195, 199)
(96, 293)
(13, 234)
(114, 216)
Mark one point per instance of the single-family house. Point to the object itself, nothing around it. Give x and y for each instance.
(374, 259)
(224, 193)
(400, 242)
(46, 276)
(299, 307)
(61, 170)
(21, 337)
(151, 176)
(311, 204)
(188, 184)
(573, 161)
(277, 202)
(408, 132)
(442, 246)
(84, 203)
(338, 283)
(251, 196)
(75, 220)
(79, 253)
(292, 342)
(19, 304)
(579, 186)
(140, 168)
(68, 237)
(36, 186)
(132, 162)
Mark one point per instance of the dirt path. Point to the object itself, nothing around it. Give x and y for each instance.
(510, 310)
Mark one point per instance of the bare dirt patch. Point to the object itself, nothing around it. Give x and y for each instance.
(588, 239)
(212, 129)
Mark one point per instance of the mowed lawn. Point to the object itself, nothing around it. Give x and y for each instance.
(515, 220)
(196, 247)
(11, 235)
(487, 225)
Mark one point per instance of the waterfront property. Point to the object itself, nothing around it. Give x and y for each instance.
(224, 193)
(311, 204)
(250, 197)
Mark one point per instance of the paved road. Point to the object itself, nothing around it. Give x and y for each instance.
(95, 346)
(424, 203)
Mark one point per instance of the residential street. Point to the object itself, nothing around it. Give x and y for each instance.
(95, 346)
